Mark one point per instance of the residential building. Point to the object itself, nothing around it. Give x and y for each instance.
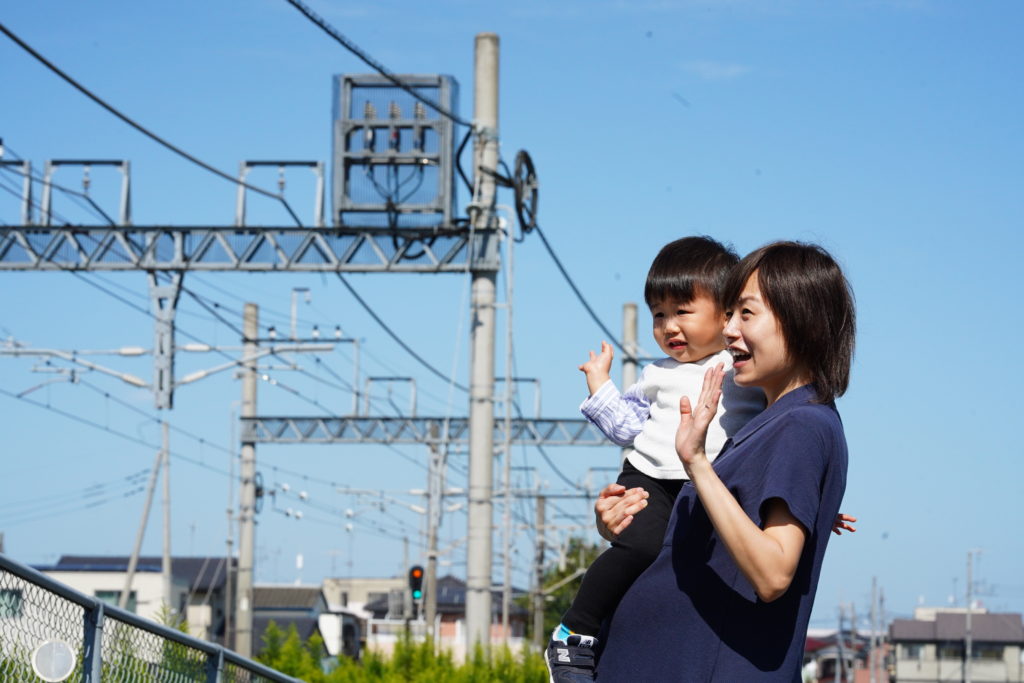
(388, 618)
(931, 646)
(198, 587)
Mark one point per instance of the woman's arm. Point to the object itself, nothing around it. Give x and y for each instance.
(768, 557)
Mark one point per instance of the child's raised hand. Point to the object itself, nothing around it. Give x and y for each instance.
(598, 368)
(694, 420)
(842, 522)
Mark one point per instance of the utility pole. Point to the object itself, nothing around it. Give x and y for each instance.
(435, 488)
(873, 642)
(166, 564)
(629, 362)
(247, 496)
(481, 398)
(840, 674)
(538, 581)
(133, 561)
(968, 636)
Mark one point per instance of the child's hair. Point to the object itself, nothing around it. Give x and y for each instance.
(806, 290)
(688, 267)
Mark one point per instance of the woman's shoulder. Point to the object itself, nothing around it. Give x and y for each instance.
(815, 424)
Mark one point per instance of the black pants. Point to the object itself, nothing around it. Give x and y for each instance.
(615, 570)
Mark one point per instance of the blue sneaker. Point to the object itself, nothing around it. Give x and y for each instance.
(571, 660)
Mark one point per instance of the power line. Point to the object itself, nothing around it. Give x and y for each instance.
(97, 425)
(408, 349)
(579, 294)
(202, 440)
(373, 63)
(145, 131)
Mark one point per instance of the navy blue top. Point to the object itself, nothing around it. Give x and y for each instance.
(693, 616)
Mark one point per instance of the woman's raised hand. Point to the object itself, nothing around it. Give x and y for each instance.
(694, 420)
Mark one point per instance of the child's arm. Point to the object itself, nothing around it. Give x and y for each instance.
(620, 417)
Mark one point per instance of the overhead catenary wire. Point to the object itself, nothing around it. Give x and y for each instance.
(142, 129)
(398, 340)
(371, 62)
(120, 434)
(579, 294)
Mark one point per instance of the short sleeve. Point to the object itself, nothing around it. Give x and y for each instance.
(795, 461)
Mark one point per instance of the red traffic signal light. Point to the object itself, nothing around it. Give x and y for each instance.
(416, 582)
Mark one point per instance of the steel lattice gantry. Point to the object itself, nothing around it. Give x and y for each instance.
(251, 249)
(410, 430)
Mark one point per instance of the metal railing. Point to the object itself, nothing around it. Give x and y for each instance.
(50, 629)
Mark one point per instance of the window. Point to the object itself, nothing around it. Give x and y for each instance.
(950, 650)
(989, 651)
(10, 603)
(344, 598)
(911, 651)
(113, 598)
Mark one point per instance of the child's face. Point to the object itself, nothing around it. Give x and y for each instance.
(688, 331)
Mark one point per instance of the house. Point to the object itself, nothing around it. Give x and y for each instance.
(286, 605)
(387, 621)
(306, 608)
(834, 657)
(198, 587)
(931, 646)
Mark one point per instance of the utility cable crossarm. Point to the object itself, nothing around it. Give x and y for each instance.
(72, 358)
(142, 129)
(283, 348)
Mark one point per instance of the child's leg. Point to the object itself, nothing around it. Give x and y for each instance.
(614, 571)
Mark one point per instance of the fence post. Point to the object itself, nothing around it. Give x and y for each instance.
(214, 666)
(92, 659)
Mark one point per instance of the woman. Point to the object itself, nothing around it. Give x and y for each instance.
(730, 594)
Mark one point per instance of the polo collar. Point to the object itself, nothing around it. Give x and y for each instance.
(796, 397)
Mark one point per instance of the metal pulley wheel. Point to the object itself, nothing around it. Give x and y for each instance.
(524, 181)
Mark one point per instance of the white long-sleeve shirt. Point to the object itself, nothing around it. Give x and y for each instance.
(644, 418)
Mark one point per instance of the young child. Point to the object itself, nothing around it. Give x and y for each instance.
(682, 291)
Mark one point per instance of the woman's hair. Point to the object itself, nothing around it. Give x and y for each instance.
(808, 293)
(687, 267)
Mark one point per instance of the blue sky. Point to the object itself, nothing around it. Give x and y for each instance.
(889, 132)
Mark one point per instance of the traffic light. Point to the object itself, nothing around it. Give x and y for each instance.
(416, 582)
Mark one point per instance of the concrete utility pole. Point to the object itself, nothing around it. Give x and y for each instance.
(629, 363)
(481, 390)
(247, 497)
(840, 674)
(133, 561)
(873, 648)
(968, 636)
(166, 564)
(538, 581)
(435, 488)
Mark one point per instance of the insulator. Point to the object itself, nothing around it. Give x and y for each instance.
(394, 111)
(369, 112)
(419, 111)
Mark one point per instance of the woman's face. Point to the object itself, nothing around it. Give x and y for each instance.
(754, 337)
